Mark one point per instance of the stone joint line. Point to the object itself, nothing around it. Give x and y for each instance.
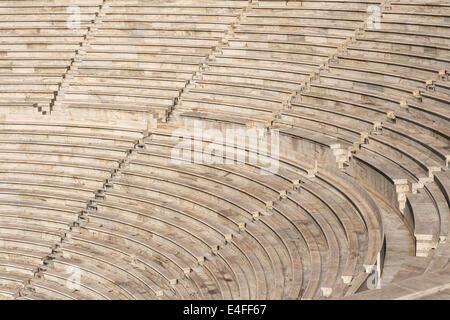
(72, 70)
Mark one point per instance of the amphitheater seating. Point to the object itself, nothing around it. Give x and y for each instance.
(268, 38)
(323, 108)
(284, 243)
(133, 63)
(38, 45)
(102, 196)
(48, 173)
(153, 161)
(414, 279)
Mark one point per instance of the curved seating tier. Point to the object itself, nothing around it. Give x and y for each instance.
(366, 108)
(38, 44)
(414, 279)
(48, 173)
(233, 234)
(267, 206)
(141, 55)
(268, 58)
(107, 191)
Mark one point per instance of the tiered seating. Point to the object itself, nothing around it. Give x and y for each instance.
(354, 123)
(48, 172)
(38, 44)
(364, 82)
(143, 54)
(344, 111)
(402, 57)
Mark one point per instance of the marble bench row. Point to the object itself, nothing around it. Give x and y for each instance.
(417, 170)
(228, 236)
(57, 46)
(41, 199)
(115, 54)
